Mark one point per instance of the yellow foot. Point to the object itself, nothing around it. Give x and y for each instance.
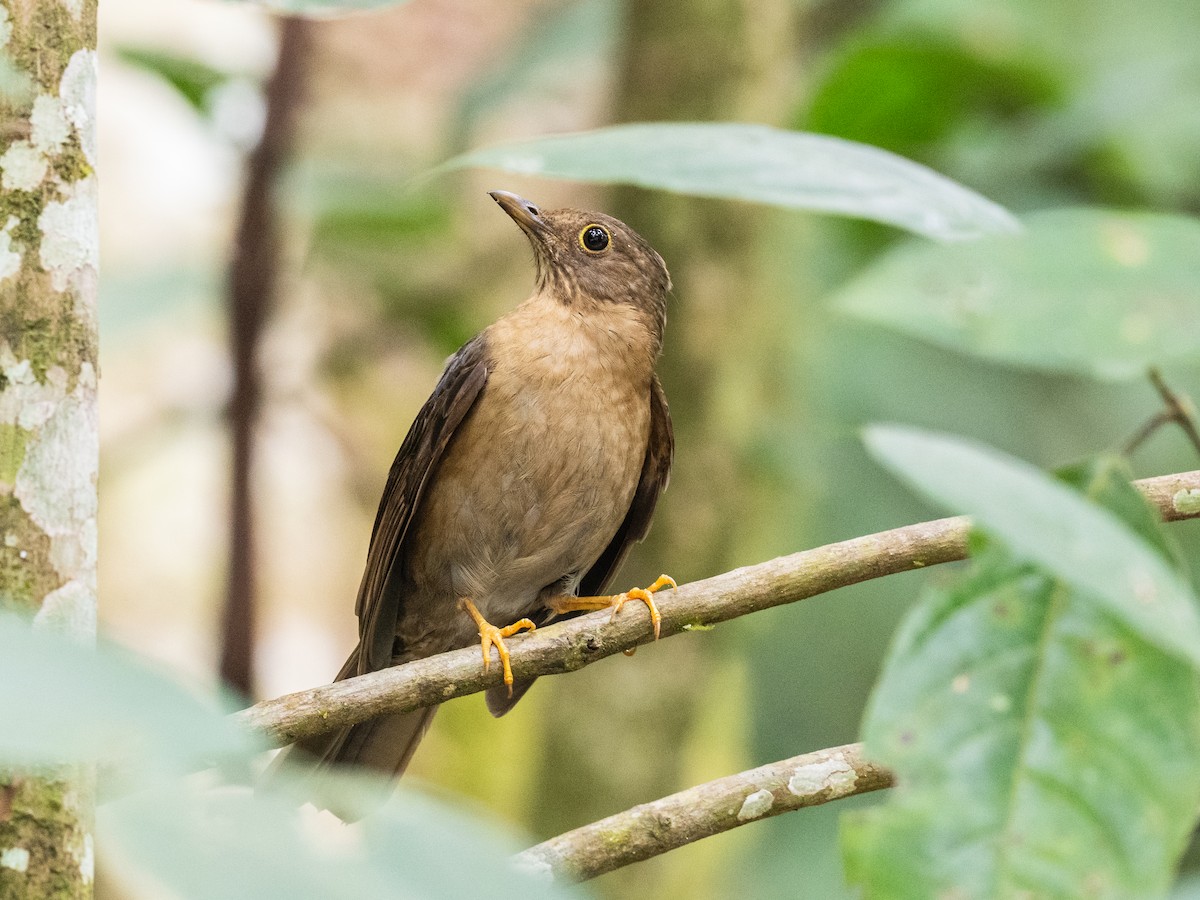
(616, 601)
(490, 635)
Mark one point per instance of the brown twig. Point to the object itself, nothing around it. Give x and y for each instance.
(253, 276)
(567, 646)
(702, 811)
(1177, 408)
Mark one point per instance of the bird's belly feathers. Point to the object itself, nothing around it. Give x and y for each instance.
(531, 490)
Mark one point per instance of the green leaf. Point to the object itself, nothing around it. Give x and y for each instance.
(1047, 523)
(907, 92)
(1090, 291)
(1105, 479)
(193, 79)
(63, 702)
(231, 842)
(761, 164)
(1041, 747)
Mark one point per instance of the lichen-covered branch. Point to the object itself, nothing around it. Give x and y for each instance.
(49, 243)
(702, 811)
(573, 644)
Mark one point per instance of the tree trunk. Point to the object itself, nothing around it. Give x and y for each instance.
(49, 238)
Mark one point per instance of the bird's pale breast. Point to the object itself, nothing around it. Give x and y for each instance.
(539, 478)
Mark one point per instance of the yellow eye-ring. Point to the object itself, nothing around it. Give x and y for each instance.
(594, 238)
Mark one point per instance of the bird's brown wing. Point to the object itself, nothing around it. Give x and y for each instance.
(656, 471)
(379, 597)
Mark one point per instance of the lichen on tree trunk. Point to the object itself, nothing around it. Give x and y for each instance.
(48, 433)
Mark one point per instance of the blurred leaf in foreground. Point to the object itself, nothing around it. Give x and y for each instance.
(1048, 523)
(206, 843)
(1043, 746)
(64, 702)
(1090, 291)
(761, 164)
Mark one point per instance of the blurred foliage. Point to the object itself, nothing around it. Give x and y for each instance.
(1126, 302)
(103, 706)
(1045, 740)
(212, 837)
(879, 92)
(194, 80)
(570, 38)
(360, 219)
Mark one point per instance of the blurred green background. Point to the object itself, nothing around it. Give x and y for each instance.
(1033, 104)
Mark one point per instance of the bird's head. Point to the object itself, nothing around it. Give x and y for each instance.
(585, 256)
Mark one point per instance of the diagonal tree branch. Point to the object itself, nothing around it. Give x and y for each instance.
(571, 645)
(703, 811)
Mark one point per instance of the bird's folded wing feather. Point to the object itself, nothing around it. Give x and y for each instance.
(656, 472)
(379, 600)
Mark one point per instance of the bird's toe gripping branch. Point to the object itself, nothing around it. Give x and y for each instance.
(616, 601)
(491, 636)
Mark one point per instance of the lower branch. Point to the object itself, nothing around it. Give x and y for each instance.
(567, 646)
(702, 811)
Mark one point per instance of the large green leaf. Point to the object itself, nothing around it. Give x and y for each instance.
(761, 164)
(212, 844)
(1091, 291)
(1042, 747)
(64, 702)
(1045, 522)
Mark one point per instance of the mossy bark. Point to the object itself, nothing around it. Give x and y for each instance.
(48, 364)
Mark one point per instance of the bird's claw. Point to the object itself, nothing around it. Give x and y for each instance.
(491, 636)
(646, 595)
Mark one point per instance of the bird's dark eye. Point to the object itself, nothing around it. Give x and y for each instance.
(594, 239)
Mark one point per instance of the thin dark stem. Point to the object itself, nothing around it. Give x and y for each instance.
(253, 276)
(1177, 408)
(1151, 425)
(1180, 406)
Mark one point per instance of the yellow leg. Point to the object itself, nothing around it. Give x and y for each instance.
(616, 601)
(491, 636)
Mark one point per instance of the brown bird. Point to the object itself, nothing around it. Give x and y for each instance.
(525, 478)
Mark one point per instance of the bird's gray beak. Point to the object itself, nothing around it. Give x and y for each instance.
(525, 214)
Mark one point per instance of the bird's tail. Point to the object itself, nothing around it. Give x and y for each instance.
(383, 746)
